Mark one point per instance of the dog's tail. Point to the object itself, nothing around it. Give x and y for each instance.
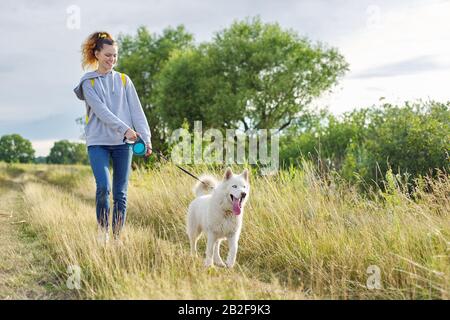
(208, 185)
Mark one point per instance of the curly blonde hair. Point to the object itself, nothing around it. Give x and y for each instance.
(94, 42)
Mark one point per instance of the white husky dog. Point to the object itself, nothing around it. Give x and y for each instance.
(217, 211)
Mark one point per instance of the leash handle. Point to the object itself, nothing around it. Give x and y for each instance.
(139, 146)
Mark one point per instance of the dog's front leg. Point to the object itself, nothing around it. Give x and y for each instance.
(217, 259)
(233, 244)
(211, 240)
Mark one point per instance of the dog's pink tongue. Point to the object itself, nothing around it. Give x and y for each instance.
(236, 206)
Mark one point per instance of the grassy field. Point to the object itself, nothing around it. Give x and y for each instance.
(304, 237)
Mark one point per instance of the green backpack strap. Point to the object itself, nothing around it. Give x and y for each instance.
(124, 82)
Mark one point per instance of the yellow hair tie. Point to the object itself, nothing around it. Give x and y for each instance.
(102, 35)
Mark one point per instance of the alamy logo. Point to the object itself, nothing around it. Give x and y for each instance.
(373, 17)
(73, 21)
(374, 280)
(74, 279)
(211, 147)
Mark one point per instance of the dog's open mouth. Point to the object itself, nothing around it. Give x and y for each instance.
(237, 204)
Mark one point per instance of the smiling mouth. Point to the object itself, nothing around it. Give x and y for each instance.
(233, 199)
(237, 204)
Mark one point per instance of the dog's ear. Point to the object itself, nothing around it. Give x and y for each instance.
(228, 174)
(245, 174)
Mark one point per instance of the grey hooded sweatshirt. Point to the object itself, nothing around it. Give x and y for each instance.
(112, 108)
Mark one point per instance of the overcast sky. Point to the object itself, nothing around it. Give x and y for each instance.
(399, 50)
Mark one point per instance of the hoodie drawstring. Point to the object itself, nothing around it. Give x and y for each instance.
(112, 76)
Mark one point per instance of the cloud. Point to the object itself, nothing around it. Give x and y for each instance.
(410, 32)
(404, 52)
(6, 67)
(406, 67)
(58, 126)
(395, 47)
(42, 62)
(42, 147)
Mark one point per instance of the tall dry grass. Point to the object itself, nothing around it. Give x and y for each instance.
(303, 237)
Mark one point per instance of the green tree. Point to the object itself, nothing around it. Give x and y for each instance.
(142, 57)
(14, 148)
(66, 152)
(187, 99)
(252, 75)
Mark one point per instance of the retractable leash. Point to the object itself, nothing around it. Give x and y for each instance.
(140, 149)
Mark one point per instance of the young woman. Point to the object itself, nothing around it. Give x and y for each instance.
(113, 112)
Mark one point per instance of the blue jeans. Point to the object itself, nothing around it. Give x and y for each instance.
(99, 158)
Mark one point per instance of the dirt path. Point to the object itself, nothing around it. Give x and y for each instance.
(23, 274)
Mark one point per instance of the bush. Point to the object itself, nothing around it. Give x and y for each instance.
(413, 138)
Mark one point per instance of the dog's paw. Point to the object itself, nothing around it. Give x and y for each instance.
(208, 263)
(229, 264)
(220, 264)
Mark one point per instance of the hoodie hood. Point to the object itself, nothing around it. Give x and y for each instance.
(91, 75)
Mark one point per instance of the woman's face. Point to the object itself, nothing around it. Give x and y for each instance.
(107, 57)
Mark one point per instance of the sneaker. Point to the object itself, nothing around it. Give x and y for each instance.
(102, 236)
(118, 242)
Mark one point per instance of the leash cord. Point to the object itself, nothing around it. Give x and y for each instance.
(182, 169)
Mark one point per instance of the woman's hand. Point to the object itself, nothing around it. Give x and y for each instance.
(131, 135)
(149, 150)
